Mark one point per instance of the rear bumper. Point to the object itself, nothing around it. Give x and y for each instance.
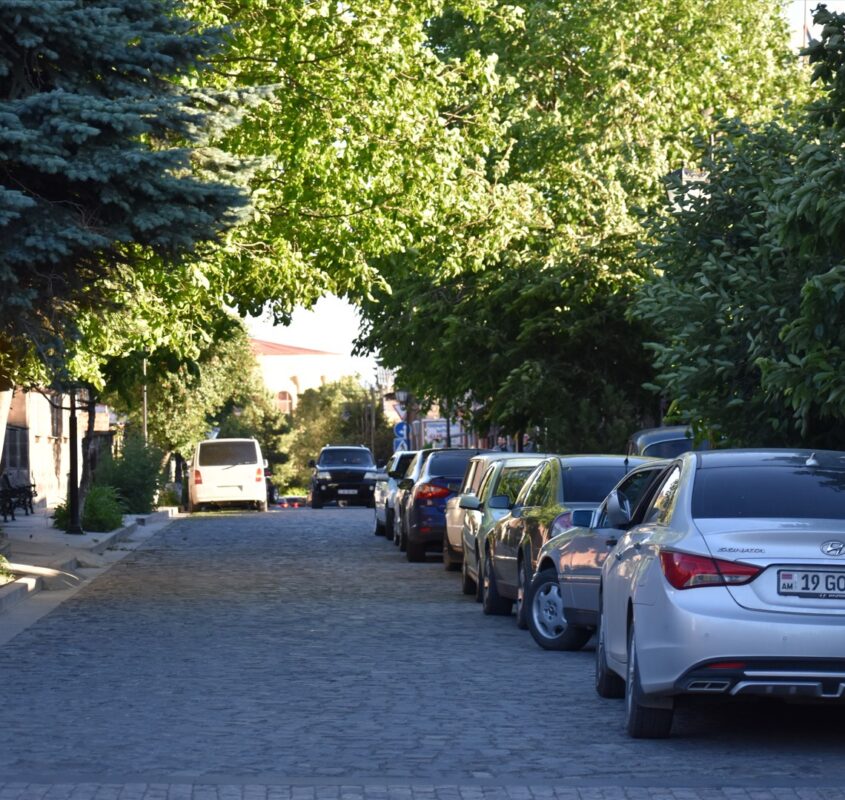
(228, 495)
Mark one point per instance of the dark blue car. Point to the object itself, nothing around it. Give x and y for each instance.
(425, 510)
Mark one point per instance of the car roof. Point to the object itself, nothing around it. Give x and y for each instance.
(604, 460)
(648, 436)
(769, 457)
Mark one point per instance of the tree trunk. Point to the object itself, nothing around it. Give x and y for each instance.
(5, 405)
(87, 476)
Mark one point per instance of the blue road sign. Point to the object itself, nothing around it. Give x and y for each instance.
(400, 430)
(400, 444)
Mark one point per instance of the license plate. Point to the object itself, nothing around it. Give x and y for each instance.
(347, 491)
(812, 583)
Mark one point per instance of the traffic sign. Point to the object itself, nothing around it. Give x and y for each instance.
(400, 430)
(400, 444)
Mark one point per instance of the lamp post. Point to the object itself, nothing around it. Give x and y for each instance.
(74, 525)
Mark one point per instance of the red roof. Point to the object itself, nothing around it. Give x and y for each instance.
(263, 348)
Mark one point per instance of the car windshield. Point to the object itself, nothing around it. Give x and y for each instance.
(788, 492)
(402, 463)
(590, 484)
(346, 457)
(512, 480)
(224, 453)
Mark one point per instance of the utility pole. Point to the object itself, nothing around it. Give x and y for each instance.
(74, 525)
(144, 418)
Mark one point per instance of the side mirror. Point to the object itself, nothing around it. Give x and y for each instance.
(516, 512)
(470, 502)
(618, 510)
(312, 463)
(500, 501)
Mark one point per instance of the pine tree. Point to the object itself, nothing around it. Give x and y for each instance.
(105, 157)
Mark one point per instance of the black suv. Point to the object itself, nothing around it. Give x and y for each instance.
(344, 473)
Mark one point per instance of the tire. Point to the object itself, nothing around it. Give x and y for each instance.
(415, 552)
(316, 502)
(546, 618)
(388, 523)
(403, 540)
(262, 505)
(491, 601)
(468, 585)
(378, 527)
(479, 584)
(608, 683)
(643, 721)
(522, 593)
(450, 558)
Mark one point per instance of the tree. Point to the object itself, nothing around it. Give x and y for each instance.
(600, 103)
(748, 284)
(107, 162)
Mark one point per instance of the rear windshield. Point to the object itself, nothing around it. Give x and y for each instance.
(512, 479)
(670, 448)
(402, 462)
(590, 484)
(448, 464)
(342, 456)
(223, 453)
(791, 492)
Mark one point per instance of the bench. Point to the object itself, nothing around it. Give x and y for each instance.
(14, 496)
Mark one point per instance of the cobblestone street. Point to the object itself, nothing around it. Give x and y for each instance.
(295, 656)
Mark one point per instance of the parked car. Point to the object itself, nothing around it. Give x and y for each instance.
(403, 493)
(293, 501)
(665, 442)
(563, 599)
(561, 492)
(475, 472)
(343, 473)
(731, 585)
(385, 491)
(424, 510)
(500, 484)
(227, 472)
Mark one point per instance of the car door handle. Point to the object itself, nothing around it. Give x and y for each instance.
(611, 542)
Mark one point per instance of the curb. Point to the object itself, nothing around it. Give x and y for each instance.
(20, 589)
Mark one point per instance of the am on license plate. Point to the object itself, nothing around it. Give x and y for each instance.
(347, 491)
(812, 583)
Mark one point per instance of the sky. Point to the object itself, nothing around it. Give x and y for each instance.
(333, 323)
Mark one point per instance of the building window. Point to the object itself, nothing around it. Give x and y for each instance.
(285, 402)
(56, 418)
(15, 450)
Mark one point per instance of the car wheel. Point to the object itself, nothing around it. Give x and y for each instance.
(316, 501)
(403, 539)
(643, 721)
(262, 505)
(522, 593)
(415, 551)
(479, 583)
(378, 527)
(608, 683)
(468, 585)
(546, 618)
(450, 557)
(388, 523)
(491, 601)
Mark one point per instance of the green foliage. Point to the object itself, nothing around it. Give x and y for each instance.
(61, 517)
(6, 576)
(134, 474)
(336, 413)
(108, 162)
(600, 102)
(261, 419)
(747, 294)
(103, 510)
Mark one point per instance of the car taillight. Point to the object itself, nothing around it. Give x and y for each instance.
(259, 475)
(197, 477)
(430, 491)
(688, 571)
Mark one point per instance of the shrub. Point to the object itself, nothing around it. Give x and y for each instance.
(103, 510)
(134, 474)
(61, 516)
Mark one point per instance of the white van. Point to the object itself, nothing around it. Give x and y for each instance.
(227, 472)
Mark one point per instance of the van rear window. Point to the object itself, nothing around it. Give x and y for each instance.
(223, 453)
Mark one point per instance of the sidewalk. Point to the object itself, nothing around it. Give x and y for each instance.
(45, 558)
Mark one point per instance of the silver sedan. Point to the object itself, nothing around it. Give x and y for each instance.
(732, 585)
